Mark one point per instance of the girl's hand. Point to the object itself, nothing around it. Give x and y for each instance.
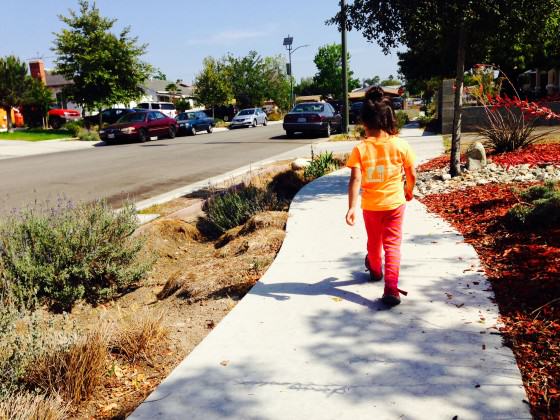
(351, 216)
(409, 195)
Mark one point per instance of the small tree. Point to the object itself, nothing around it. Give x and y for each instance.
(211, 88)
(39, 96)
(14, 84)
(105, 68)
(328, 78)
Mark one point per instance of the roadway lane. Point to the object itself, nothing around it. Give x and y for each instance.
(136, 171)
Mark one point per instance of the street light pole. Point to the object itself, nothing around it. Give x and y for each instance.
(345, 113)
(288, 42)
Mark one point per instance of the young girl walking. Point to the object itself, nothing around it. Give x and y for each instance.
(378, 164)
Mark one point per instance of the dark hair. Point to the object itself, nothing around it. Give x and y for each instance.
(377, 112)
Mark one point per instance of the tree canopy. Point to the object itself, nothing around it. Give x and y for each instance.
(211, 88)
(106, 68)
(328, 78)
(14, 84)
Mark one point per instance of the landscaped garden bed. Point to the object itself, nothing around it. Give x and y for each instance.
(97, 327)
(520, 252)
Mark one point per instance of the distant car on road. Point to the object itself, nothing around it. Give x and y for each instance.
(109, 116)
(59, 116)
(317, 117)
(141, 126)
(191, 122)
(397, 102)
(250, 117)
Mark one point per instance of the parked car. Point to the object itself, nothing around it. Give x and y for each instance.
(141, 126)
(166, 108)
(355, 112)
(191, 122)
(58, 116)
(317, 117)
(223, 112)
(108, 116)
(397, 102)
(250, 117)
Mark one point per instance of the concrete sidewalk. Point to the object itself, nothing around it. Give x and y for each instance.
(312, 341)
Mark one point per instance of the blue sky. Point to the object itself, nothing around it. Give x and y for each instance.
(181, 33)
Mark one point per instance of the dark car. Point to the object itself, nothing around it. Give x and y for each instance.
(397, 102)
(317, 117)
(191, 122)
(108, 116)
(223, 112)
(355, 112)
(141, 126)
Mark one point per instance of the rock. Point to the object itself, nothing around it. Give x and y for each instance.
(550, 169)
(445, 177)
(300, 163)
(476, 157)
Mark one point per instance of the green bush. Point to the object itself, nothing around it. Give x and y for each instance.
(321, 165)
(540, 209)
(424, 120)
(402, 119)
(59, 255)
(235, 206)
(74, 127)
(88, 135)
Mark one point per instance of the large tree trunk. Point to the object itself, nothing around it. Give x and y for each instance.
(9, 119)
(455, 163)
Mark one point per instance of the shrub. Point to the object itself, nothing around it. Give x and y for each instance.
(140, 336)
(286, 184)
(235, 206)
(275, 116)
(59, 255)
(88, 135)
(321, 165)
(424, 120)
(402, 119)
(74, 127)
(540, 209)
(220, 123)
(73, 371)
(28, 406)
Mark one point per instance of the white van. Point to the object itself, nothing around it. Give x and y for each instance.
(166, 108)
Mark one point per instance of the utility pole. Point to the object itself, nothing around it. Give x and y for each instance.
(344, 69)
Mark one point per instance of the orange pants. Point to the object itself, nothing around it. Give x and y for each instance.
(384, 230)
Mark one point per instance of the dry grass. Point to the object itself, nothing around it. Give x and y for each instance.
(140, 336)
(74, 372)
(27, 406)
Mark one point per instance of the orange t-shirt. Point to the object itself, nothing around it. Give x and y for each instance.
(381, 161)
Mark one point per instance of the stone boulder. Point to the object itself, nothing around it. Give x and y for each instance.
(476, 157)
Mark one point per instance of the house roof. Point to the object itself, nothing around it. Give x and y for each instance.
(159, 86)
(53, 80)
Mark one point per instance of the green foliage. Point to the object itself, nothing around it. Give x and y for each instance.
(212, 88)
(74, 127)
(182, 105)
(14, 84)
(540, 209)
(235, 206)
(372, 81)
(402, 119)
(424, 120)
(157, 74)
(59, 255)
(306, 87)
(88, 135)
(328, 78)
(105, 68)
(321, 165)
(391, 81)
(39, 96)
(275, 116)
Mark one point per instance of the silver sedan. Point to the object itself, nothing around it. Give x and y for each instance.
(250, 117)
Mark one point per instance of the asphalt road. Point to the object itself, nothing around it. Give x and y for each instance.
(136, 171)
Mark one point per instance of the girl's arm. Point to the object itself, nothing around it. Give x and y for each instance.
(410, 173)
(353, 193)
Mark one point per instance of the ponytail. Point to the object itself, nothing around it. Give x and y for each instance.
(377, 112)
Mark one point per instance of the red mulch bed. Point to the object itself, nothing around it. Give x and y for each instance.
(538, 154)
(524, 269)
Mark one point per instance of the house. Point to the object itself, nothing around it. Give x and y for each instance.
(156, 91)
(540, 82)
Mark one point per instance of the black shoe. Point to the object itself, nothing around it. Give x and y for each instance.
(372, 276)
(391, 297)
